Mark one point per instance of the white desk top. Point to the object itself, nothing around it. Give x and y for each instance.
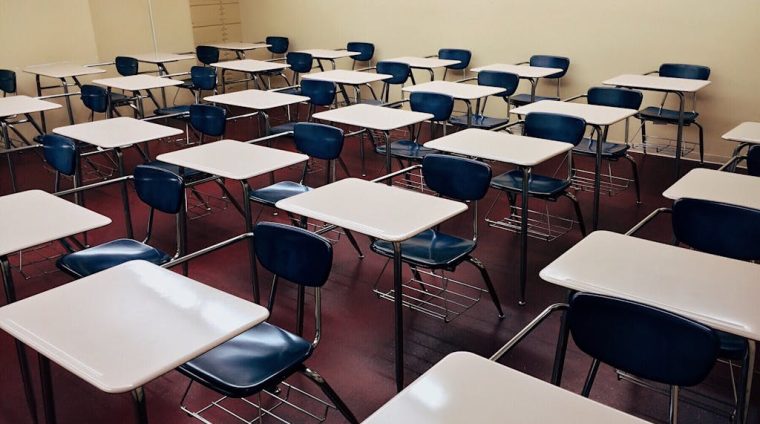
(251, 65)
(256, 99)
(329, 54)
(457, 90)
(466, 388)
(373, 209)
(373, 117)
(340, 76)
(523, 71)
(655, 82)
(137, 82)
(746, 132)
(123, 327)
(499, 146)
(717, 186)
(424, 62)
(233, 159)
(719, 292)
(62, 70)
(17, 105)
(34, 217)
(161, 57)
(593, 114)
(241, 47)
(117, 132)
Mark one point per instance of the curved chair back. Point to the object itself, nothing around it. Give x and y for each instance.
(207, 54)
(203, 77)
(277, 45)
(299, 62)
(293, 253)
(505, 80)
(366, 50)
(614, 97)
(681, 70)
(94, 98)
(553, 126)
(318, 140)
(7, 81)
(456, 177)
(753, 161)
(648, 342)
(126, 66)
(718, 228)
(159, 188)
(547, 61)
(60, 153)
(436, 104)
(321, 93)
(463, 56)
(208, 119)
(399, 71)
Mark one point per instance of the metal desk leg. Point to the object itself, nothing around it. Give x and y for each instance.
(161, 72)
(109, 103)
(39, 94)
(224, 81)
(432, 74)
(332, 62)
(9, 154)
(745, 387)
(68, 100)
(249, 229)
(48, 400)
(344, 94)
(601, 136)
(124, 192)
(398, 307)
(559, 355)
(524, 234)
(469, 112)
(387, 136)
(319, 65)
(138, 395)
(679, 134)
(533, 84)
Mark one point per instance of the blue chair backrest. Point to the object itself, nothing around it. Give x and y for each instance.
(399, 71)
(505, 80)
(318, 140)
(277, 45)
(208, 119)
(61, 153)
(94, 98)
(456, 177)
(463, 56)
(203, 77)
(293, 253)
(439, 105)
(718, 228)
(648, 342)
(753, 161)
(126, 66)
(299, 62)
(614, 97)
(159, 188)
(207, 54)
(553, 126)
(321, 93)
(681, 70)
(546, 61)
(7, 81)
(367, 50)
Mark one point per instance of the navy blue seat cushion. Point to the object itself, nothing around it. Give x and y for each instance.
(274, 193)
(654, 113)
(107, 255)
(539, 185)
(250, 362)
(478, 121)
(406, 149)
(278, 129)
(524, 99)
(587, 146)
(429, 249)
(189, 175)
(173, 110)
(731, 347)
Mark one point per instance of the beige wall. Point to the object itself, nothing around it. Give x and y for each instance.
(602, 39)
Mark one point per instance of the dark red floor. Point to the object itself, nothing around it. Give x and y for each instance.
(356, 352)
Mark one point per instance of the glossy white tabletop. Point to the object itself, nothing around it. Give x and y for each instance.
(329, 54)
(593, 114)
(377, 210)
(161, 57)
(424, 62)
(466, 388)
(20, 104)
(499, 146)
(340, 76)
(373, 117)
(233, 159)
(256, 99)
(123, 327)
(457, 90)
(117, 132)
(655, 82)
(746, 132)
(62, 70)
(251, 65)
(238, 46)
(34, 217)
(522, 71)
(717, 186)
(719, 292)
(137, 82)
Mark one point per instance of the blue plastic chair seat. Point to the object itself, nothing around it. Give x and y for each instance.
(189, 175)
(431, 249)
(250, 362)
(731, 347)
(278, 129)
(119, 98)
(107, 255)
(274, 193)
(173, 110)
(654, 113)
(539, 185)
(478, 121)
(406, 149)
(524, 99)
(587, 146)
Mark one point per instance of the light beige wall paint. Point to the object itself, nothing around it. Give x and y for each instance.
(602, 39)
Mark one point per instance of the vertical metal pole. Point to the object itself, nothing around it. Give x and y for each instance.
(124, 192)
(68, 100)
(48, 400)
(524, 234)
(533, 84)
(679, 135)
(138, 395)
(601, 137)
(9, 155)
(387, 136)
(398, 307)
(39, 93)
(251, 247)
(559, 354)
